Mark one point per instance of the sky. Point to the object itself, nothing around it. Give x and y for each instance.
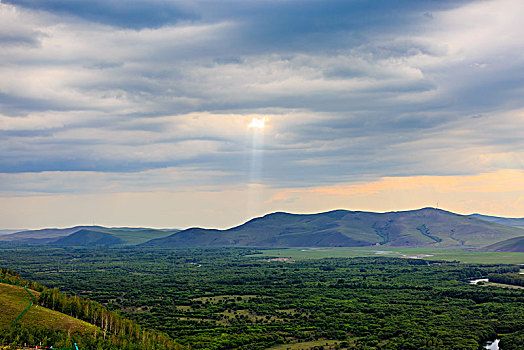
(172, 114)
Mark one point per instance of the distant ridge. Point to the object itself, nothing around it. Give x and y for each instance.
(516, 222)
(89, 238)
(128, 235)
(44, 235)
(6, 232)
(427, 227)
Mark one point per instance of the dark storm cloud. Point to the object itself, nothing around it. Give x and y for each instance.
(292, 26)
(274, 25)
(133, 14)
(353, 89)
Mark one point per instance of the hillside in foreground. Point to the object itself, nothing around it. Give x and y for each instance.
(14, 299)
(427, 227)
(510, 245)
(41, 316)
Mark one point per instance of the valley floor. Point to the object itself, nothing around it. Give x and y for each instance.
(465, 256)
(254, 298)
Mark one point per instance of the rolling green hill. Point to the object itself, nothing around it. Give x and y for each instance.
(132, 235)
(427, 227)
(510, 245)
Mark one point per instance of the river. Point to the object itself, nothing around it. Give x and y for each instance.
(478, 280)
(492, 345)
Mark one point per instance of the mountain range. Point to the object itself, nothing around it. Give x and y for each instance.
(123, 235)
(427, 227)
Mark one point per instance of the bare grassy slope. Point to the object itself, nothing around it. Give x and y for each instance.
(14, 299)
(510, 245)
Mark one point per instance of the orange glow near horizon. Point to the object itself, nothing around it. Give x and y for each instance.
(499, 193)
(501, 181)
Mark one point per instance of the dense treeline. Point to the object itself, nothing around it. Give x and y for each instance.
(512, 341)
(11, 277)
(469, 272)
(234, 298)
(46, 337)
(115, 331)
(514, 279)
(113, 325)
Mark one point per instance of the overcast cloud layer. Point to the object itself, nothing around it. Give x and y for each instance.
(150, 95)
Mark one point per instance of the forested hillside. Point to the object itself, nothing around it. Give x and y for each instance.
(60, 320)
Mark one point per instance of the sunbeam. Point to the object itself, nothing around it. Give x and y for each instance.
(256, 164)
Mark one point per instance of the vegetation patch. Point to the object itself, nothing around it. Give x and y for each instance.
(465, 256)
(313, 345)
(226, 298)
